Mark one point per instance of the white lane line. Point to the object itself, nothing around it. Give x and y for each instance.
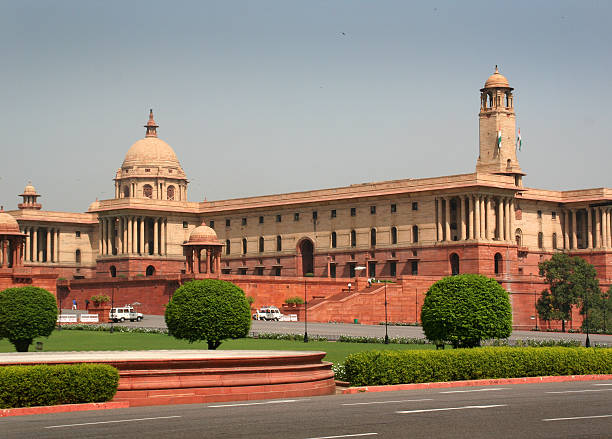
(344, 435)
(475, 390)
(453, 408)
(112, 422)
(583, 391)
(244, 404)
(602, 384)
(388, 402)
(577, 417)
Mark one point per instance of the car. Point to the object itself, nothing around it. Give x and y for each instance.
(124, 313)
(268, 313)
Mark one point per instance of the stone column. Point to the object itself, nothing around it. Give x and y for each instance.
(511, 219)
(3, 262)
(488, 218)
(34, 244)
(208, 261)
(606, 228)
(499, 220)
(566, 243)
(156, 236)
(164, 234)
(142, 247)
(470, 212)
(598, 226)
(589, 228)
(48, 245)
(447, 229)
(476, 216)
(461, 213)
(508, 234)
(574, 228)
(57, 245)
(27, 243)
(439, 219)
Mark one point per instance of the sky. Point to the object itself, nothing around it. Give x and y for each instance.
(265, 97)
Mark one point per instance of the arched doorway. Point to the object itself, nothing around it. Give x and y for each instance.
(150, 270)
(306, 254)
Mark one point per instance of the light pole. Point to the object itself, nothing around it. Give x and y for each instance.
(386, 323)
(59, 322)
(305, 314)
(112, 307)
(586, 318)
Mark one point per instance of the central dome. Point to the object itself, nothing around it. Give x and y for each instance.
(497, 80)
(151, 151)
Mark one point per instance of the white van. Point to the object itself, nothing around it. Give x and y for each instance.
(124, 313)
(268, 313)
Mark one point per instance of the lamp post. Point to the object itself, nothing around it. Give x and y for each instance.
(112, 307)
(59, 322)
(386, 322)
(586, 320)
(305, 314)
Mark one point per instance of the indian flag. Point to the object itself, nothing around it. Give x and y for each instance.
(519, 140)
(499, 138)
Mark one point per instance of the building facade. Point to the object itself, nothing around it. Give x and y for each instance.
(484, 222)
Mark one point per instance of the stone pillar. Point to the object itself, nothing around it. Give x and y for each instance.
(461, 213)
(34, 256)
(606, 228)
(511, 219)
(447, 229)
(208, 260)
(598, 226)
(470, 216)
(57, 245)
(156, 236)
(507, 234)
(476, 216)
(488, 218)
(27, 243)
(574, 229)
(439, 219)
(589, 228)
(483, 215)
(499, 220)
(48, 245)
(164, 235)
(3, 262)
(566, 243)
(142, 247)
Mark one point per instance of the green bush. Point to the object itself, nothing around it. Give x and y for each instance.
(297, 300)
(463, 310)
(98, 299)
(26, 313)
(210, 310)
(398, 367)
(41, 385)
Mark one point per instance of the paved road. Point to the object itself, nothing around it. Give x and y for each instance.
(333, 330)
(555, 410)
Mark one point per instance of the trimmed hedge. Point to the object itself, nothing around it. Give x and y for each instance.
(400, 367)
(42, 385)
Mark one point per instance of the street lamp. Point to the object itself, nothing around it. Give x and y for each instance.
(386, 322)
(586, 320)
(112, 307)
(59, 322)
(305, 314)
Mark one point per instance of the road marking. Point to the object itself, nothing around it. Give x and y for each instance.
(453, 408)
(476, 390)
(344, 435)
(602, 384)
(243, 404)
(577, 417)
(388, 402)
(583, 391)
(112, 422)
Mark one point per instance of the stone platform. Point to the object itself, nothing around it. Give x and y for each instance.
(197, 376)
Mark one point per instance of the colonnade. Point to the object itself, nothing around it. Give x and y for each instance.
(475, 216)
(11, 251)
(42, 244)
(133, 235)
(589, 228)
(213, 259)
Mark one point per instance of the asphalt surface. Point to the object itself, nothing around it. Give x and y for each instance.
(553, 410)
(333, 330)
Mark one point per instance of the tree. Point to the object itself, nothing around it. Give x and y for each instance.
(464, 310)
(26, 313)
(211, 310)
(572, 281)
(600, 313)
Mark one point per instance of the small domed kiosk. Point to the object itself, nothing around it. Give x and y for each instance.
(11, 241)
(203, 238)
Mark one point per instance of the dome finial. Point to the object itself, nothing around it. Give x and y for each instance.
(151, 126)
(496, 71)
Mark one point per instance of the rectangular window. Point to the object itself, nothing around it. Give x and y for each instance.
(185, 224)
(296, 216)
(554, 215)
(415, 205)
(278, 218)
(332, 270)
(392, 268)
(415, 268)
(393, 208)
(333, 213)
(244, 223)
(351, 269)
(261, 220)
(539, 214)
(353, 211)
(212, 224)
(228, 222)
(315, 214)
(259, 271)
(78, 233)
(372, 210)
(277, 271)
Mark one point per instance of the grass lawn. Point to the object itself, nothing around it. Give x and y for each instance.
(103, 341)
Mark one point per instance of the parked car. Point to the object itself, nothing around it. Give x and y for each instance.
(268, 313)
(124, 313)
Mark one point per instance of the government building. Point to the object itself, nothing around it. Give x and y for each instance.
(148, 239)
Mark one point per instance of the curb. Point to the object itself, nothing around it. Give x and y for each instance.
(468, 383)
(21, 411)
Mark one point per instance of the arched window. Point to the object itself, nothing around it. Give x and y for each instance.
(279, 243)
(170, 192)
(518, 237)
(77, 256)
(540, 240)
(147, 191)
(498, 263)
(244, 246)
(415, 234)
(150, 270)
(454, 262)
(393, 235)
(126, 192)
(113, 271)
(261, 244)
(353, 238)
(334, 240)
(227, 247)
(372, 237)
(554, 241)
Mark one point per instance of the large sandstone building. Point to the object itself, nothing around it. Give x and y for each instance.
(412, 231)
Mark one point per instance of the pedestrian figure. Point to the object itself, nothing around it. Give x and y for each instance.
(87, 304)
(369, 282)
(74, 304)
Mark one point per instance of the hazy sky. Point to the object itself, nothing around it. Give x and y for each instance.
(261, 97)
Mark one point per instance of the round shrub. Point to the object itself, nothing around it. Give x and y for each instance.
(463, 310)
(211, 310)
(26, 313)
